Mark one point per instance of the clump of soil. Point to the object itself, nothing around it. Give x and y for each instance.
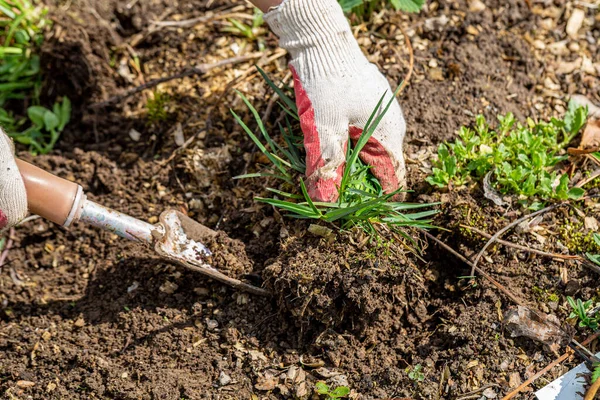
(351, 282)
(228, 255)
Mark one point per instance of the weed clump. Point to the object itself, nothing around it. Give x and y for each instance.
(361, 202)
(516, 159)
(22, 25)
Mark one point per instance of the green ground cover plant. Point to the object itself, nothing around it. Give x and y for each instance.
(22, 25)
(361, 202)
(521, 159)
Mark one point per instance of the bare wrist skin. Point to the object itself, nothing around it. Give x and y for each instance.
(266, 5)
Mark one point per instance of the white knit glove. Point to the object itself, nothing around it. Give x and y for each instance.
(13, 198)
(336, 90)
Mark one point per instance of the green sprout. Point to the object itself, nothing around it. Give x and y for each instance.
(361, 202)
(253, 32)
(338, 393)
(519, 159)
(584, 312)
(156, 107)
(416, 373)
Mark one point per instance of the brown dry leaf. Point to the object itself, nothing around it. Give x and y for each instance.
(267, 382)
(514, 380)
(591, 135)
(521, 321)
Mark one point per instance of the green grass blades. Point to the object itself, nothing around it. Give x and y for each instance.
(22, 24)
(253, 32)
(581, 310)
(361, 199)
(523, 159)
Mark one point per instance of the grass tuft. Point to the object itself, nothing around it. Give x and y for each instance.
(361, 202)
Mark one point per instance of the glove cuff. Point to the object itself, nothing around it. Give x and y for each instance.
(317, 36)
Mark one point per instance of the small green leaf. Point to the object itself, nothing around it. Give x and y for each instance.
(36, 115)
(595, 258)
(412, 6)
(575, 193)
(50, 121)
(322, 387)
(348, 5)
(575, 117)
(339, 392)
(596, 237)
(65, 113)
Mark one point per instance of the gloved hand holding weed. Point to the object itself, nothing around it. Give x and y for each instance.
(13, 198)
(337, 89)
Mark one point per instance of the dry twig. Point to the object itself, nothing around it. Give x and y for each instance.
(577, 258)
(524, 248)
(591, 392)
(482, 272)
(554, 363)
(506, 228)
(200, 70)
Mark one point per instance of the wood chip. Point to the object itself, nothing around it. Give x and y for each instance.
(476, 6)
(575, 22)
(591, 223)
(563, 67)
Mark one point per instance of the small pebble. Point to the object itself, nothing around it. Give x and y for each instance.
(476, 6)
(224, 379)
(211, 324)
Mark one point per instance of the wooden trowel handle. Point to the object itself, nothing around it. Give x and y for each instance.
(49, 196)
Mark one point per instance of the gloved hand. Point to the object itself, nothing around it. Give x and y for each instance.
(336, 90)
(13, 197)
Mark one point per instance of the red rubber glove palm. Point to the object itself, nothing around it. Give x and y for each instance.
(337, 89)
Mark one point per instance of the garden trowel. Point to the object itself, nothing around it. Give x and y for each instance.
(176, 237)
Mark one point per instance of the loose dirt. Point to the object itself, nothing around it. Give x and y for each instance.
(86, 315)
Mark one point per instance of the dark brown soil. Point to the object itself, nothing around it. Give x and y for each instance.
(86, 315)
